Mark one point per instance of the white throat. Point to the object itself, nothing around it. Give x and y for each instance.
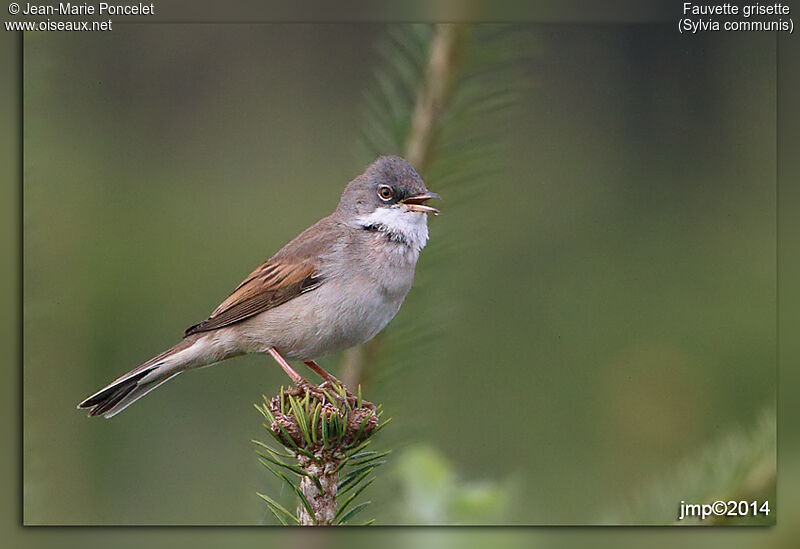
(404, 226)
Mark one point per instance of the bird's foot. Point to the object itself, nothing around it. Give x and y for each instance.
(331, 381)
(335, 388)
(321, 372)
(331, 387)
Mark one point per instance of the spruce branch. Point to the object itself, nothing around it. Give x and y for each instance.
(324, 432)
(444, 56)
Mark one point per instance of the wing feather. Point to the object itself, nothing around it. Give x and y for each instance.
(270, 285)
(293, 271)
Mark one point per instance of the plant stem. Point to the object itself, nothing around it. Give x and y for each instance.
(323, 503)
(443, 61)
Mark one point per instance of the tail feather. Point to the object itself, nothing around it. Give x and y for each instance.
(101, 401)
(132, 386)
(114, 406)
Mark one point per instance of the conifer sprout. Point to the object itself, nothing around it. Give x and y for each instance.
(323, 433)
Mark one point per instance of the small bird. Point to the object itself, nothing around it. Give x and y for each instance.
(334, 286)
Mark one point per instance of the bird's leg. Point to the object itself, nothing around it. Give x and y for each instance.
(296, 378)
(317, 369)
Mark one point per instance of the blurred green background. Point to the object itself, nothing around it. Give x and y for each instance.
(581, 327)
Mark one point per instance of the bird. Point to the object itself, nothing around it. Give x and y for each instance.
(334, 286)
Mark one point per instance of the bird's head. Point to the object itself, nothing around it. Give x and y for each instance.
(390, 191)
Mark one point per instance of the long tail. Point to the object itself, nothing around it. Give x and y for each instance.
(125, 390)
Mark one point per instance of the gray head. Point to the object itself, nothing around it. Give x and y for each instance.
(390, 184)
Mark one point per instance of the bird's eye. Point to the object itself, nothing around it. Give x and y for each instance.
(385, 192)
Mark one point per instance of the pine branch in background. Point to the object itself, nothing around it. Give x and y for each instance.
(324, 433)
(388, 115)
(441, 94)
(739, 467)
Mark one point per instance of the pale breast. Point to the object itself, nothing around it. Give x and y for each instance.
(334, 317)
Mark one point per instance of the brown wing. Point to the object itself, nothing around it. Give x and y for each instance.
(270, 285)
(289, 273)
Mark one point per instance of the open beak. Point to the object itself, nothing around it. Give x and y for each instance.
(416, 203)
